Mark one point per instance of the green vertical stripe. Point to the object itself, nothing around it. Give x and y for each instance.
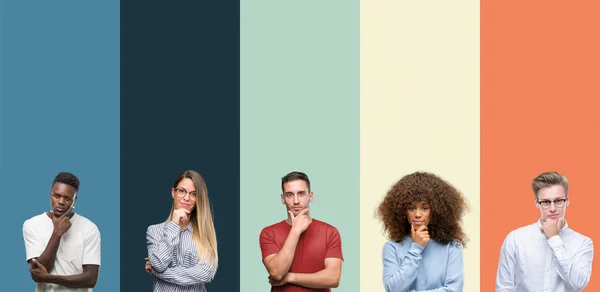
(299, 111)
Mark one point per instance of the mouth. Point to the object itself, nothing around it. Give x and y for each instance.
(553, 216)
(416, 222)
(185, 205)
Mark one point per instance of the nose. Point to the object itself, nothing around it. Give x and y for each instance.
(296, 200)
(552, 206)
(61, 201)
(418, 213)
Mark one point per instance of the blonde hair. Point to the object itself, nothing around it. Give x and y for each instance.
(203, 234)
(548, 179)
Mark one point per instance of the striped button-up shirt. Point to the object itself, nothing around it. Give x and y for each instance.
(529, 262)
(174, 259)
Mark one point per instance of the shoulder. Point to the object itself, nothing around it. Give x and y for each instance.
(581, 237)
(86, 224)
(30, 224)
(35, 220)
(523, 231)
(155, 228)
(393, 248)
(274, 227)
(323, 225)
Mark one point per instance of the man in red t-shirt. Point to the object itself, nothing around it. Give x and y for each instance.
(301, 253)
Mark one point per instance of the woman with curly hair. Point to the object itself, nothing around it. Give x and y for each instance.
(421, 215)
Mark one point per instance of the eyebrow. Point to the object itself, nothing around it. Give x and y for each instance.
(186, 189)
(66, 196)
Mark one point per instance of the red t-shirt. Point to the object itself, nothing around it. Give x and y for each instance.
(319, 241)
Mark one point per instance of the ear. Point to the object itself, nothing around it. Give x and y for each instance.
(173, 193)
(282, 199)
(537, 204)
(310, 197)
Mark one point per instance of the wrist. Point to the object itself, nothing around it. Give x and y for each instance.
(296, 231)
(290, 277)
(49, 278)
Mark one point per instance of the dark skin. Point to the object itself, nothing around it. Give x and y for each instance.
(62, 198)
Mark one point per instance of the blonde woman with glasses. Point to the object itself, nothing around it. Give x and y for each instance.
(182, 252)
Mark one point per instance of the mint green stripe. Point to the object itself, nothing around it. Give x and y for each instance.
(299, 101)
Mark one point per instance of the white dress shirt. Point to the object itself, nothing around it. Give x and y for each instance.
(529, 262)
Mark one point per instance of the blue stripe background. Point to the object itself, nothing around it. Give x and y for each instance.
(59, 112)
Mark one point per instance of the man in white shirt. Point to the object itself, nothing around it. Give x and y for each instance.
(547, 255)
(63, 248)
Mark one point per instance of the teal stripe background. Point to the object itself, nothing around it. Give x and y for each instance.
(299, 101)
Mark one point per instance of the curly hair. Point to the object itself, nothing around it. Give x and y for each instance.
(447, 208)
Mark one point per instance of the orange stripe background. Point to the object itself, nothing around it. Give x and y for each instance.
(540, 111)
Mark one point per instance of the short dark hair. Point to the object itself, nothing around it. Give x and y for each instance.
(68, 179)
(295, 175)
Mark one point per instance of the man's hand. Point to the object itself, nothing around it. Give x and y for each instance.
(148, 266)
(551, 227)
(420, 235)
(300, 222)
(281, 282)
(38, 272)
(62, 223)
(180, 216)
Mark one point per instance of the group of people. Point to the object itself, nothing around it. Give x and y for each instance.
(421, 215)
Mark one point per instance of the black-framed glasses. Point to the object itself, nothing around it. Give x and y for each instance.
(558, 202)
(181, 192)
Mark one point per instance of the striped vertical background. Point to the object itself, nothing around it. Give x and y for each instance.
(487, 94)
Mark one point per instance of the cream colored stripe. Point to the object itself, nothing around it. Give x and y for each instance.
(419, 111)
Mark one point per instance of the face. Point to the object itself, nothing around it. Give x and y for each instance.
(419, 214)
(550, 197)
(184, 195)
(296, 196)
(62, 197)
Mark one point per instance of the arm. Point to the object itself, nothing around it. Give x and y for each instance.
(575, 271)
(326, 278)
(35, 248)
(507, 267)
(399, 276)
(278, 264)
(87, 279)
(160, 243)
(454, 281)
(200, 273)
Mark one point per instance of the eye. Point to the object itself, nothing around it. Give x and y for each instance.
(193, 194)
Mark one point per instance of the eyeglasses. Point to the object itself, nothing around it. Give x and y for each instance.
(181, 192)
(557, 202)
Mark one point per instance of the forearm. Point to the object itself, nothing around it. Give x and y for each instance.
(48, 257)
(575, 271)
(319, 280)
(160, 252)
(198, 274)
(400, 277)
(83, 280)
(440, 289)
(279, 265)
